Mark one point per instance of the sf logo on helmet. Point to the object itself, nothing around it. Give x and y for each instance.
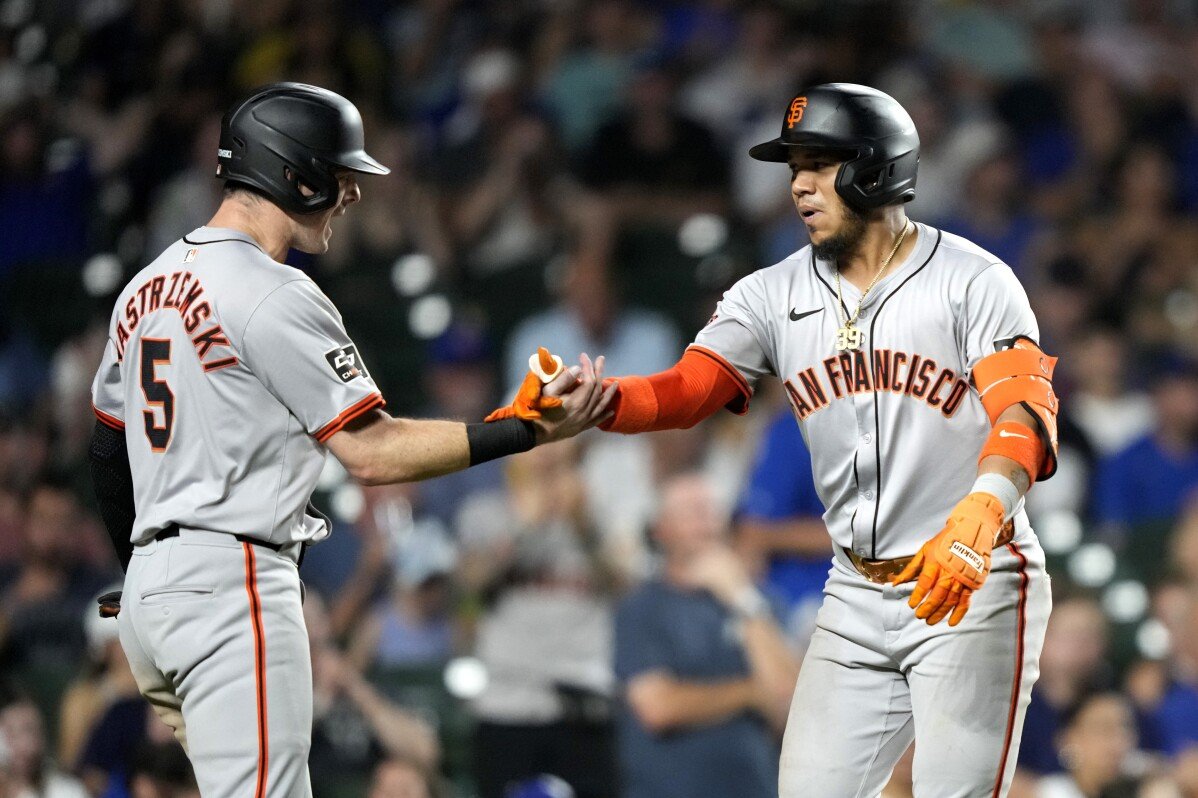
(796, 112)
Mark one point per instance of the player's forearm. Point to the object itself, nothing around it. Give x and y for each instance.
(695, 388)
(387, 450)
(1005, 466)
(662, 703)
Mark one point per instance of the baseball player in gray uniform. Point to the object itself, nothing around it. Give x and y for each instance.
(909, 357)
(226, 379)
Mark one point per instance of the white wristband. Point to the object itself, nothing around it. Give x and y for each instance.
(1002, 489)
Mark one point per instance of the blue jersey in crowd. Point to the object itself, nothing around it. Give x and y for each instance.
(781, 487)
(1144, 483)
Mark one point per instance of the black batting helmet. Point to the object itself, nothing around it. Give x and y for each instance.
(855, 119)
(285, 134)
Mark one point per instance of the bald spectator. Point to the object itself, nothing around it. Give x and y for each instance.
(706, 674)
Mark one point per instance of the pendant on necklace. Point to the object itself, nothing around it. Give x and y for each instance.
(849, 338)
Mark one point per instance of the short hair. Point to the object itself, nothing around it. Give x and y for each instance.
(244, 191)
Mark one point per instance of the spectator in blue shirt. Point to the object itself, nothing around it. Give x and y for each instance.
(780, 524)
(1151, 479)
(706, 674)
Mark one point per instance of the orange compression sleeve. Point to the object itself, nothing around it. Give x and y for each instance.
(680, 397)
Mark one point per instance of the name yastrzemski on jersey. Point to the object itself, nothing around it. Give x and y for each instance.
(894, 371)
(182, 292)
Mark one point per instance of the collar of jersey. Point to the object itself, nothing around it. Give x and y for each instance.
(211, 235)
(923, 246)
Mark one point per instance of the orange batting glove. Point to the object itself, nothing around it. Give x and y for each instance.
(529, 402)
(952, 565)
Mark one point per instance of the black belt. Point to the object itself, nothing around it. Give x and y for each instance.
(172, 531)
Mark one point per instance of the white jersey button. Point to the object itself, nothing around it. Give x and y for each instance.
(866, 438)
(868, 495)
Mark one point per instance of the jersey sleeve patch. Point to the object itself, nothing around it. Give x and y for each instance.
(345, 363)
(347, 415)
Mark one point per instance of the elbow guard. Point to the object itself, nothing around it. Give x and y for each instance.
(1021, 374)
(113, 483)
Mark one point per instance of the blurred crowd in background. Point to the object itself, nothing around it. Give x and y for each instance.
(573, 173)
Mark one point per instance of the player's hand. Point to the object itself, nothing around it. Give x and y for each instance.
(531, 398)
(952, 565)
(583, 405)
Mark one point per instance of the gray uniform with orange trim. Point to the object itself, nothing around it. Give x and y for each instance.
(895, 430)
(226, 370)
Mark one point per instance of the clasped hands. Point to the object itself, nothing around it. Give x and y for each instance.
(561, 402)
(954, 563)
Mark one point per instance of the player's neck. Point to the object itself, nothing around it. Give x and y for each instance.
(860, 265)
(268, 225)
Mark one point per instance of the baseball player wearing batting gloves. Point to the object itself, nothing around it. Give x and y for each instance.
(909, 357)
(226, 378)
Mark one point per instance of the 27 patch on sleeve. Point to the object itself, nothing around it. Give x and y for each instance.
(346, 363)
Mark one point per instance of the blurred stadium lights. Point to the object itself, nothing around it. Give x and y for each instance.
(347, 502)
(1092, 565)
(30, 43)
(1152, 639)
(102, 274)
(702, 234)
(465, 678)
(430, 316)
(1060, 531)
(130, 244)
(115, 198)
(1181, 309)
(412, 274)
(1125, 601)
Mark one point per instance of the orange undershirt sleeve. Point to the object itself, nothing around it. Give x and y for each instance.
(680, 397)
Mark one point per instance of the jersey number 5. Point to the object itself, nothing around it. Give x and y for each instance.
(157, 392)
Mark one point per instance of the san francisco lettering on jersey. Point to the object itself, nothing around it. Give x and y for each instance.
(898, 372)
(183, 292)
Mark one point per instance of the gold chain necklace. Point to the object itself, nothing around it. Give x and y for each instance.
(849, 337)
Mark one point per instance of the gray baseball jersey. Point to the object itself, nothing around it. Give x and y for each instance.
(894, 431)
(893, 428)
(227, 371)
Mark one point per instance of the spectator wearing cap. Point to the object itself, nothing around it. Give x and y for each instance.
(460, 384)
(412, 624)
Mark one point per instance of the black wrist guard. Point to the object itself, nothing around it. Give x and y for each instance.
(499, 439)
(113, 481)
